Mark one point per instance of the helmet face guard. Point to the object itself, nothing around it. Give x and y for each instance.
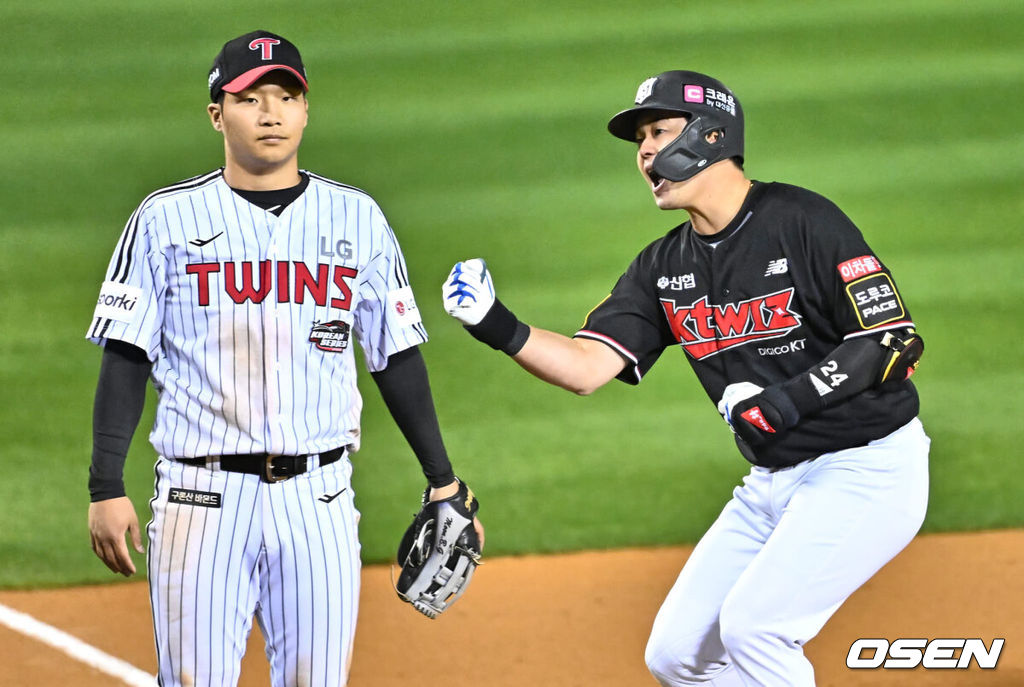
(708, 105)
(691, 151)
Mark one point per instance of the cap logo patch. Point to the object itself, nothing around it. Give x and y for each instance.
(693, 94)
(644, 92)
(266, 46)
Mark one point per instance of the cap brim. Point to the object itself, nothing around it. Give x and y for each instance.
(623, 125)
(240, 83)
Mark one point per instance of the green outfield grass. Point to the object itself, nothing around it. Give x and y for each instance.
(479, 127)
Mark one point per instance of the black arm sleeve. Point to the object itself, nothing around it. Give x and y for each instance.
(120, 397)
(852, 367)
(405, 388)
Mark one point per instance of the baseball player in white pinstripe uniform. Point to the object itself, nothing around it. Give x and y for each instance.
(238, 292)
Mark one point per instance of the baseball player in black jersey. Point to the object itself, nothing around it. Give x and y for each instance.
(798, 333)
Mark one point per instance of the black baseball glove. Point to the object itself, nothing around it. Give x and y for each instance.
(439, 552)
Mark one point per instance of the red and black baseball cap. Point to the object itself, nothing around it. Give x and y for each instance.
(245, 59)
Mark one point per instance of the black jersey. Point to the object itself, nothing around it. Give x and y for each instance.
(761, 301)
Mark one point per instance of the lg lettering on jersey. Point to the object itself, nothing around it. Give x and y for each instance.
(934, 654)
(704, 329)
(266, 46)
(341, 249)
(294, 280)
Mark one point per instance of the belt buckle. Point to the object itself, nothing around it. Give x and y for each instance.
(268, 469)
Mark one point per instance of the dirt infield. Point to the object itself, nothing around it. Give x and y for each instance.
(576, 620)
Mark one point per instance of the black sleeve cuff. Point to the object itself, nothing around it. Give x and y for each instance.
(101, 489)
(405, 388)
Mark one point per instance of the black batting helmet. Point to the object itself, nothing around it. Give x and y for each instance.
(708, 105)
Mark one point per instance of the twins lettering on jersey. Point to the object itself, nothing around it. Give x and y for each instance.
(249, 281)
(704, 329)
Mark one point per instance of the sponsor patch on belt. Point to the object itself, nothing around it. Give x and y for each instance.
(190, 497)
(330, 336)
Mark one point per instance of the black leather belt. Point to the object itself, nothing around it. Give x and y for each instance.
(270, 467)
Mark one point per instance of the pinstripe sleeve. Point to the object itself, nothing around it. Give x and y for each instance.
(387, 319)
(129, 304)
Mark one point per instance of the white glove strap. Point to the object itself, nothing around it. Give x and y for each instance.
(733, 394)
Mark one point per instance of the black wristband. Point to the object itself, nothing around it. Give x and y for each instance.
(777, 396)
(500, 329)
(803, 395)
(101, 489)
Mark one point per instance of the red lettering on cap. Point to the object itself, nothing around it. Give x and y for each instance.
(756, 418)
(266, 46)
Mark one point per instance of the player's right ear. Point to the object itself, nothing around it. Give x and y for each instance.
(216, 116)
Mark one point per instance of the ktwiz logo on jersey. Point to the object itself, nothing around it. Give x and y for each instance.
(704, 329)
(330, 336)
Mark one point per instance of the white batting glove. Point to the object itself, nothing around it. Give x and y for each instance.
(468, 292)
(734, 393)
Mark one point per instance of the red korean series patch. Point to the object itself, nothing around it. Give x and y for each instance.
(858, 267)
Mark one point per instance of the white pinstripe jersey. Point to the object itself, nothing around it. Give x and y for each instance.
(246, 316)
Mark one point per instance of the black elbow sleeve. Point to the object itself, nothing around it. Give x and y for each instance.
(854, 366)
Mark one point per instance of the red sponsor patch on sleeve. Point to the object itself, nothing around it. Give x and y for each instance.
(755, 417)
(858, 267)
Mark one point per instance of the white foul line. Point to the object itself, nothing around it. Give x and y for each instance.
(76, 648)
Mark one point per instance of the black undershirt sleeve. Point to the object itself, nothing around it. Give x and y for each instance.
(120, 396)
(851, 368)
(405, 388)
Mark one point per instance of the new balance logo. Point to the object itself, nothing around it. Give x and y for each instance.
(780, 266)
(199, 243)
(327, 498)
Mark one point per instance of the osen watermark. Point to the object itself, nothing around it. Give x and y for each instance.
(939, 654)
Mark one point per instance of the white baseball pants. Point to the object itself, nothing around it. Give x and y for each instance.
(287, 552)
(787, 550)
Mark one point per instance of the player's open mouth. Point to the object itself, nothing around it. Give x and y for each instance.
(657, 181)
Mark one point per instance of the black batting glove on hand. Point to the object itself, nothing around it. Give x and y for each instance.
(764, 416)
